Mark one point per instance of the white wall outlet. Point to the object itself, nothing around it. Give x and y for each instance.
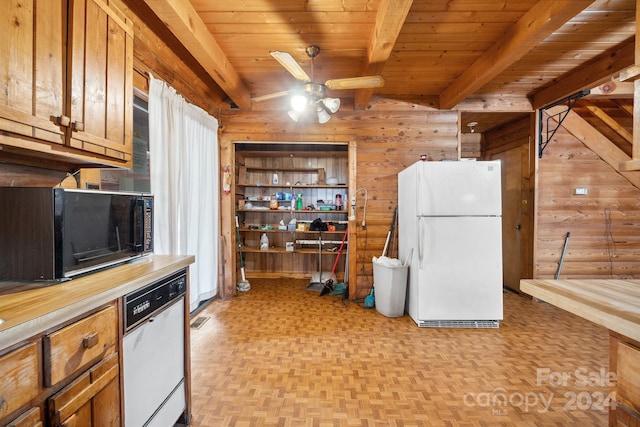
(580, 191)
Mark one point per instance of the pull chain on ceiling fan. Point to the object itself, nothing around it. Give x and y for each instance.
(312, 94)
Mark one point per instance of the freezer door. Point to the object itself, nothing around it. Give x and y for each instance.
(459, 188)
(459, 266)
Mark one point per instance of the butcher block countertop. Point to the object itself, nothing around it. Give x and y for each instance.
(614, 304)
(30, 312)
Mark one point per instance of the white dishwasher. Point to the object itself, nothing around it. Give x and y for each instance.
(153, 353)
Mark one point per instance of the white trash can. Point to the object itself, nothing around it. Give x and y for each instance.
(390, 286)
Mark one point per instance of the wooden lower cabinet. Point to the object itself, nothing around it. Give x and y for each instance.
(68, 377)
(624, 361)
(19, 378)
(91, 400)
(19, 385)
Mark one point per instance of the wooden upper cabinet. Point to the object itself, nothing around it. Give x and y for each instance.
(32, 76)
(101, 80)
(67, 87)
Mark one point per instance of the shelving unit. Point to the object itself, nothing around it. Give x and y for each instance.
(292, 253)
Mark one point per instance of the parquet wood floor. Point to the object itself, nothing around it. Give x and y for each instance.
(280, 355)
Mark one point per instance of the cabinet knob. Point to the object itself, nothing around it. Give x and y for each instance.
(3, 403)
(63, 121)
(90, 340)
(78, 126)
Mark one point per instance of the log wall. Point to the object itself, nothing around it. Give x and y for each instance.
(604, 224)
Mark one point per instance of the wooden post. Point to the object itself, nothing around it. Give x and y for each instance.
(633, 73)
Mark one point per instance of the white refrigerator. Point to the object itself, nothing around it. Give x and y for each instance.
(450, 223)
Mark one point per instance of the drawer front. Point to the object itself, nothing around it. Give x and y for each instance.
(19, 378)
(84, 399)
(70, 349)
(31, 418)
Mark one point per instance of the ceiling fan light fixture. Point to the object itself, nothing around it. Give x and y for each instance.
(299, 102)
(323, 115)
(295, 115)
(332, 104)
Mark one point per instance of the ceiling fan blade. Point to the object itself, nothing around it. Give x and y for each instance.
(270, 96)
(365, 82)
(290, 65)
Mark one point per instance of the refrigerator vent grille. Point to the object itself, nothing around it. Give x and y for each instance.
(475, 324)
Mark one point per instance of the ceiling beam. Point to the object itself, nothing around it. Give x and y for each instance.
(389, 21)
(183, 21)
(538, 23)
(612, 89)
(608, 120)
(588, 75)
(495, 103)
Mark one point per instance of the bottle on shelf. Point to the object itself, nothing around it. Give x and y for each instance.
(264, 242)
(275, 179)
(339, 202)
(299, 201)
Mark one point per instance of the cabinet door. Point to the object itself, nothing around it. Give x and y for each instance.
(101, 80)
(91, 400)
(19, 378)
(32, 80)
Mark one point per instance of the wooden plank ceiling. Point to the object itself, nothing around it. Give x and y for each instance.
(478, 56)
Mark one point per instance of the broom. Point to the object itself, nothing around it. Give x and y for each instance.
(242, 285)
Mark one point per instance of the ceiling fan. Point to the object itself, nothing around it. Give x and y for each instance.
(312, 94)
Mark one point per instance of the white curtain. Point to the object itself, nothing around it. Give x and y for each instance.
(183, 141)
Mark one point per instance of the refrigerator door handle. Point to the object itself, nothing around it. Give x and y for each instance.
(421, 239)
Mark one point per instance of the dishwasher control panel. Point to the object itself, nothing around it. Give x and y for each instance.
(144, 302)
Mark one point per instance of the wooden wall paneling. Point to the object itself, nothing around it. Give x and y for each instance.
(470, 145)
(227, 204)
(352, 248)
(604, 237)
(509, 135)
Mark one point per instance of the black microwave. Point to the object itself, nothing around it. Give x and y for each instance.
(59, 233)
